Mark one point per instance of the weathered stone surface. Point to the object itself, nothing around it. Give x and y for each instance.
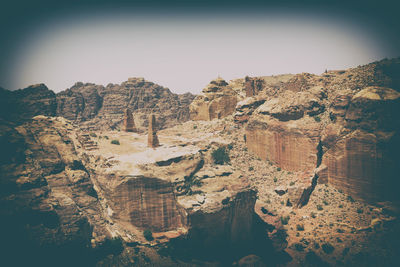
(96, 107)
(48, 203)
(246, 107)
(129, 123)
(253, 86)
(147, 203)
(364, 165)
(21, 105)
(292, 145)
(152, 140)
(99, 107)
(218, 100)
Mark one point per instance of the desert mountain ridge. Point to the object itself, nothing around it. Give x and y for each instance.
(284, 170)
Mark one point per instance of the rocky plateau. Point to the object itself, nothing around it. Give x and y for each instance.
(286, 170)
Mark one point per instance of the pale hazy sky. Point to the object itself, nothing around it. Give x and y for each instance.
(184, 52)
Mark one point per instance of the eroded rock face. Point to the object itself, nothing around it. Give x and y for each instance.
(48, 203)
(21, 105)
(283, 132)
(98, 107)
(253, 86)
(354, 139)
(361, 156)
(147, 203)
(218, 100)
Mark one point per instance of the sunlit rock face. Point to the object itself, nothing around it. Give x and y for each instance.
(282, 131)
(217, 101)
(363, 162)
(148, 203)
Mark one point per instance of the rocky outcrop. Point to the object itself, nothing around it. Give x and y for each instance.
(152, 140)
(217, 100)
(253, 86)
(48, 204)
(245, 108)
(147, 203)
(283, 132)
(96, 107)
(99, 107)
(352, 133)
(361, 154)
(129, 123)
(19, 106)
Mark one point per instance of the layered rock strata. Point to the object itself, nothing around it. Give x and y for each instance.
(352, 142)
(97, 107)
(217, 100)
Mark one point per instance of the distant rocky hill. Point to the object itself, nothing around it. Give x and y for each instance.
(97, 107)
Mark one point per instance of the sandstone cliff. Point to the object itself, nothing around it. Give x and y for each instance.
(337, 123)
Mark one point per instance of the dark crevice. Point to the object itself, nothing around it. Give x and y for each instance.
(305, 196)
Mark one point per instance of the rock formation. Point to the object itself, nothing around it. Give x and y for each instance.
(48, 201)
(129, 123)
(19, 106)
(152, 140)
(361, 154)
(96, 107)
(348, 133)
(216, 101)
(253, 86)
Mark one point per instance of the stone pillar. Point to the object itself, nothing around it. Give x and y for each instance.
(129, 123)
(152, 140)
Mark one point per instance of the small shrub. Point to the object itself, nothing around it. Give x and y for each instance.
(278, 169)
(299, 247)
(251, 168)
(339, 230)
(300, 227)
(325, 202)
(230, 146)
(148, 235)
(77, 165)
(220, 156)
(275, 179)
(359, 210)
(340, 206)
(106, 137)
(244, 138)
(93, 135)
(115, 142)
(349, 198)
(313, 215)
(285, 220)
(317, 118)
(292, 183)
(225, 201)
(319, 207)
(264, 210)
(327, 248)
(194, 126)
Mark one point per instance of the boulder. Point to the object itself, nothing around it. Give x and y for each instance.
(217, 101)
